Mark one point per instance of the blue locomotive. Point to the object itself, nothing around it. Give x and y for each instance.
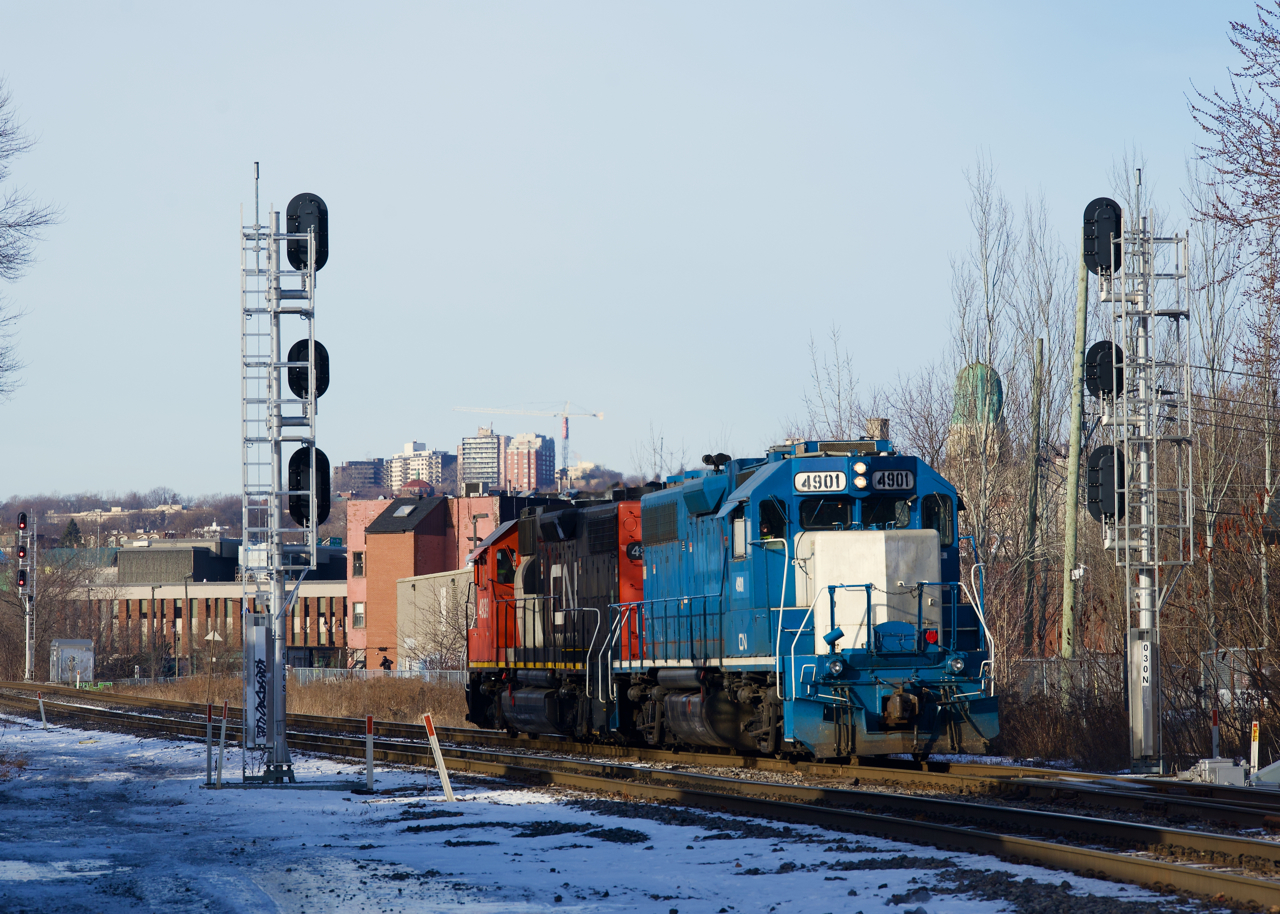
(806, 602)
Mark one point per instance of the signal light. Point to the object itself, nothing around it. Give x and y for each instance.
(1106, 483)
(1104, 369)
(1102, 222)
(306, 212)
(298, 376)
(22, 551)
(22, 520)
(931, 635)
(300, 478)
(22, 578)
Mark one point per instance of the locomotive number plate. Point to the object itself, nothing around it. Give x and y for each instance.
(893, 479)
(820, 482)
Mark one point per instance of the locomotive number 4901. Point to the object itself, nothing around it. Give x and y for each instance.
(820, 482)
(893, 479)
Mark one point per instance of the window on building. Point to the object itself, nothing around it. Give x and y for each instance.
(357, 564)
(404, 511)
(357, 615)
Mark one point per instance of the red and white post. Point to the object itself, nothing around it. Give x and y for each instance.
(435, 750)
(222, 743)
(44, 724)
(208, 745)
(1253, 750)
(368, 751)
(1215, 733)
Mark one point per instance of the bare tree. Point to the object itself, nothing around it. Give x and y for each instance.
(21, 221)
(654, 459)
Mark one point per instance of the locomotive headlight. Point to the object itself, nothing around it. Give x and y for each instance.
(835, 667)
(860, 482)
(956, 665)
(859, 467)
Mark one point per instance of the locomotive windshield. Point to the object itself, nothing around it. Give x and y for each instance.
(936, 515)
(826, 512)
(773, 522)
(886, 513)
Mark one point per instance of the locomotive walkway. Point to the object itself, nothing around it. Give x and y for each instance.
(1213, 865)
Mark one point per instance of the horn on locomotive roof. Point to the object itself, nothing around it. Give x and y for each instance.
(716, 460)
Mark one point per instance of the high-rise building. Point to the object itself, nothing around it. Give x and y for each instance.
(416, 462)
(358, 474)
(530, 463)
(482, 459)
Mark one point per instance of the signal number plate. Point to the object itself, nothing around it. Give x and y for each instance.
(820, 482)
(893, 479)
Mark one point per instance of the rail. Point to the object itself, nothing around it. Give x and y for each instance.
(903, 817)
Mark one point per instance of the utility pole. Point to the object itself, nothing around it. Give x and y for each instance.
(1031, 623)
(1067, 648)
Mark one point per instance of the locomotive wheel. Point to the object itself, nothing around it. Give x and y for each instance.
(920, 757)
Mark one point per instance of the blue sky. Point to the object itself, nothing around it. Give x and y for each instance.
(643, 208)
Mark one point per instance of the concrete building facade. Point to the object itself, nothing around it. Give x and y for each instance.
(417, 462)
(482, 460)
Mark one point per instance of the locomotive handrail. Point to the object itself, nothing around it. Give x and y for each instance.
(794, 639)
(955, 600)
(871, 614)
(587, 659)
(782, 602)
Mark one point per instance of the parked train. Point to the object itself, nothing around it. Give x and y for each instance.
(807, 602)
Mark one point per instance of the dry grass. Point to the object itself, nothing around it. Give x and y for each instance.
(398, 700)
(1094, 735)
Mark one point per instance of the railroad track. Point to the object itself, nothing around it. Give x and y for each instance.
(1212, 805)
(1211, 865)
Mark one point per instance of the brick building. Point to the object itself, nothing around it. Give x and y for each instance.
(530, 463)
(411, 536)
(152, 624)
(359, 515)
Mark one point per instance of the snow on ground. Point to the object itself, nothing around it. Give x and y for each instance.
(103, 822)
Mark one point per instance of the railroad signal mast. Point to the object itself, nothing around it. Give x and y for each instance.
(1139, 485)
(282, 469)
(26, 580)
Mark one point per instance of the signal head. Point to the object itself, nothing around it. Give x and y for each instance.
(22, 551)
(1102, 218)
(22, 520)
(306, 212)
(22, 579)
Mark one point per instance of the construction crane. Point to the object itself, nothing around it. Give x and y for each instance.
(563, 415)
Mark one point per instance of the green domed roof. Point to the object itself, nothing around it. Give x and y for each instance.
(979, 395)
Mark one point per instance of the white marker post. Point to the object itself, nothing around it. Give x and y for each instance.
(368, 752)
(222, 744)
(435, 750)
(1253, 750)
(208, 745)
(44, 724)
(1215, 733)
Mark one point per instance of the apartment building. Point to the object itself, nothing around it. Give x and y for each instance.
(530, 463)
